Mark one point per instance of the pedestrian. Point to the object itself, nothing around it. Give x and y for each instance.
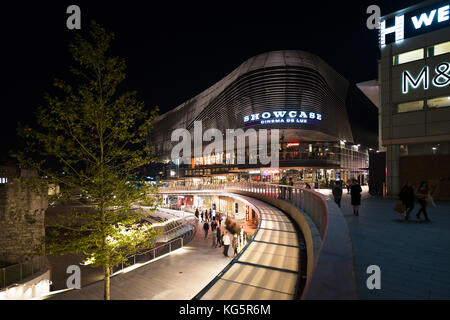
(355, 192)
(235, 245)
(220, 219)
(196, 213)
(348, 186)
(337, 193)
(219, 237)
(291, 183)
(206, 228)
(202, 216)
(226, 244)
(213, 225)
(423, 194)
(408, 198)
(214, 237)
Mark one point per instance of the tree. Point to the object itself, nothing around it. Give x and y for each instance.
(90, 140)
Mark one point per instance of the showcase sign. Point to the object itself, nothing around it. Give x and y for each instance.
(275, 117)
(439, 78)
(415, 22)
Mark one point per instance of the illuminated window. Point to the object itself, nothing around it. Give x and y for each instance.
(410, 106)
(407, 57)
(439, 102)
(438, 49)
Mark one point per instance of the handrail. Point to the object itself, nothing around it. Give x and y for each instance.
(308, 200)
(324, 244)
(20, 271)
(133, 256)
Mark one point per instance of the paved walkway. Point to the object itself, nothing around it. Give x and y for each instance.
(178, 276)
(268, 269)
(414, 256)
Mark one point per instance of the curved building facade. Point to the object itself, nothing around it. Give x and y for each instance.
(294, 91)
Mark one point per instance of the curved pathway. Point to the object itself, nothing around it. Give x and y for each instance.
(269, 268)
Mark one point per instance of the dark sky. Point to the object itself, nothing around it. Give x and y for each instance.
(176, 50)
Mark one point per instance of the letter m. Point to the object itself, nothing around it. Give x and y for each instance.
(407, 80)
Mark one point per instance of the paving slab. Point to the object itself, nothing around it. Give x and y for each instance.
(414, 256)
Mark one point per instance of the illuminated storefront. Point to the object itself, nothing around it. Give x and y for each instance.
(293, 91)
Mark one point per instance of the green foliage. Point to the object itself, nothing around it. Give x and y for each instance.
(90, 140)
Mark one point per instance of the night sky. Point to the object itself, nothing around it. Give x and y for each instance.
(176, 50)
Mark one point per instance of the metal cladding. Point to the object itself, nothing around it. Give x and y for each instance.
(274, 81)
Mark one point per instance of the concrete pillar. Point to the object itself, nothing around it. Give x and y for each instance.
(393, 170)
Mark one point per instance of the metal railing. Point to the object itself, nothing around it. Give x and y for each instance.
(308, 200)
(175, 228)
(17, 272)
(151, 254)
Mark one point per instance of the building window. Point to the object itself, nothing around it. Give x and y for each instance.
(410, 106)
(438, 49)
(439, 102)
(407, 57)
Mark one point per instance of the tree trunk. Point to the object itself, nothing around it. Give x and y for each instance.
(107, 271)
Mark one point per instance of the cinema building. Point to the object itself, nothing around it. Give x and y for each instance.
(414, 80)
(326, 126)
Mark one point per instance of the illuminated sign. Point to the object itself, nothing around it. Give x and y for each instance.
(270, 171)
(293, 144)
(282, 117)
(414, 23)
(441, 78)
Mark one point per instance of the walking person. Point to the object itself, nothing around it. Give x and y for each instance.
(226, 243)
(235, 244)
(355, 193)
(219, 236)
(423, 193)
(337, 193)
(407, 197)
(214, 237)
(196, 213)
(202, 217)
(348, 186)
(206, 228)
(213, 225)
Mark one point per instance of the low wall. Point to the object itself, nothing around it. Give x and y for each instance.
(310, 233)
(34, 287)
(334, 276)
(330, 268)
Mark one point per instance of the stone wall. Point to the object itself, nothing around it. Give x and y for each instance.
(22, 213)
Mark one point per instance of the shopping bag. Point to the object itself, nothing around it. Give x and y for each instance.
(430, 200)
(400, 208)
